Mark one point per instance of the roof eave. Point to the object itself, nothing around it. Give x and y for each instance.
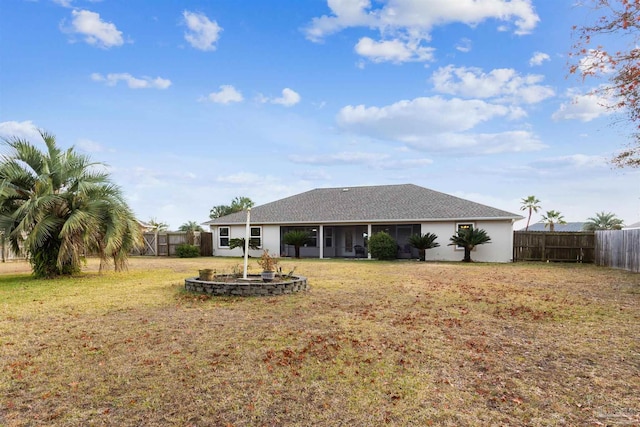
(373, 221)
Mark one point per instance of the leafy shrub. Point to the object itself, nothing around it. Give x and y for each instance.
(382, 246)
(422, 242)
(187, 251)
(267, 262)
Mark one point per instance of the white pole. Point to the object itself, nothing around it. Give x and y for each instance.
(246, 243)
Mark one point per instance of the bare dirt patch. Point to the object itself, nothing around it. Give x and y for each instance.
(370, 344)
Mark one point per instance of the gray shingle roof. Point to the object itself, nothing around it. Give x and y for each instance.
(406, 202)
(569, 226)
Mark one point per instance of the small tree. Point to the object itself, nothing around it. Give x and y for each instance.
(603, 221)
(296, 238)
(267, 261)
(383, 246)
(597, 53)
(551, 218)
(238, 242)
(469, 238)
(422, 242)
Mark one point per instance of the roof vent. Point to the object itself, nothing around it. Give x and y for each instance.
(345, 189)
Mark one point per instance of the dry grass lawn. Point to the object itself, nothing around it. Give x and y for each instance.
(372, 343)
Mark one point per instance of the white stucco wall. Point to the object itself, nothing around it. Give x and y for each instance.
(499, 250)
(270, 240)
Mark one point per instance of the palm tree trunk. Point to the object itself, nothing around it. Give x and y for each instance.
(467, 255)
(297, 251)
(528, 220)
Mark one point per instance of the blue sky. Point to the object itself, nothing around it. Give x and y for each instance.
(193, 103)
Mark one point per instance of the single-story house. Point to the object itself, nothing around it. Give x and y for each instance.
(339, 221)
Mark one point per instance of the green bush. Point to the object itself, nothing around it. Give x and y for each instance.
(382, 246)
(187, 251)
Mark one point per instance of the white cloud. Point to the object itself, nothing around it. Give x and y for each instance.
(585, 107)
(538, 58)
(370, 159)
(203, 33)
(420, 16)
(464, 45)
(480, 143)
(344, 157)
(226, 95)
(246, 183)
(145, 177)
(437, 124)
(63, 3)
(404, 119)
(26, 130)
(289, 98)
(502, 84)
(396, 51)
(90, 146)
(574, 161)
(242, 178)
(347, 13)
(405, 24)
(96, 31)
(112, 79)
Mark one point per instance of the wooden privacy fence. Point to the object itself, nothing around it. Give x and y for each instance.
(618, 249)
(553, 246)
(165, 243)
(7, 253)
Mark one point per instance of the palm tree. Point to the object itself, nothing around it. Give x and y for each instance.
(296, 238)
(158, 225)
(551, 218)
(603, 221)
(422, 242)
(469, 238)
(62, 207)
(238, 204)
(530, 204)
(190, 226)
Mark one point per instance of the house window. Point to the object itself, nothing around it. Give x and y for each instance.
(328, 237)
(311, 231)
(348, 241)
(256, 237)
(223, 237)
(463, 226)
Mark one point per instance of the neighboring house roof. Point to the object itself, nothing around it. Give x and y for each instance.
(634, 225)
(145, 226)
(383, 203)
(569, 226)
